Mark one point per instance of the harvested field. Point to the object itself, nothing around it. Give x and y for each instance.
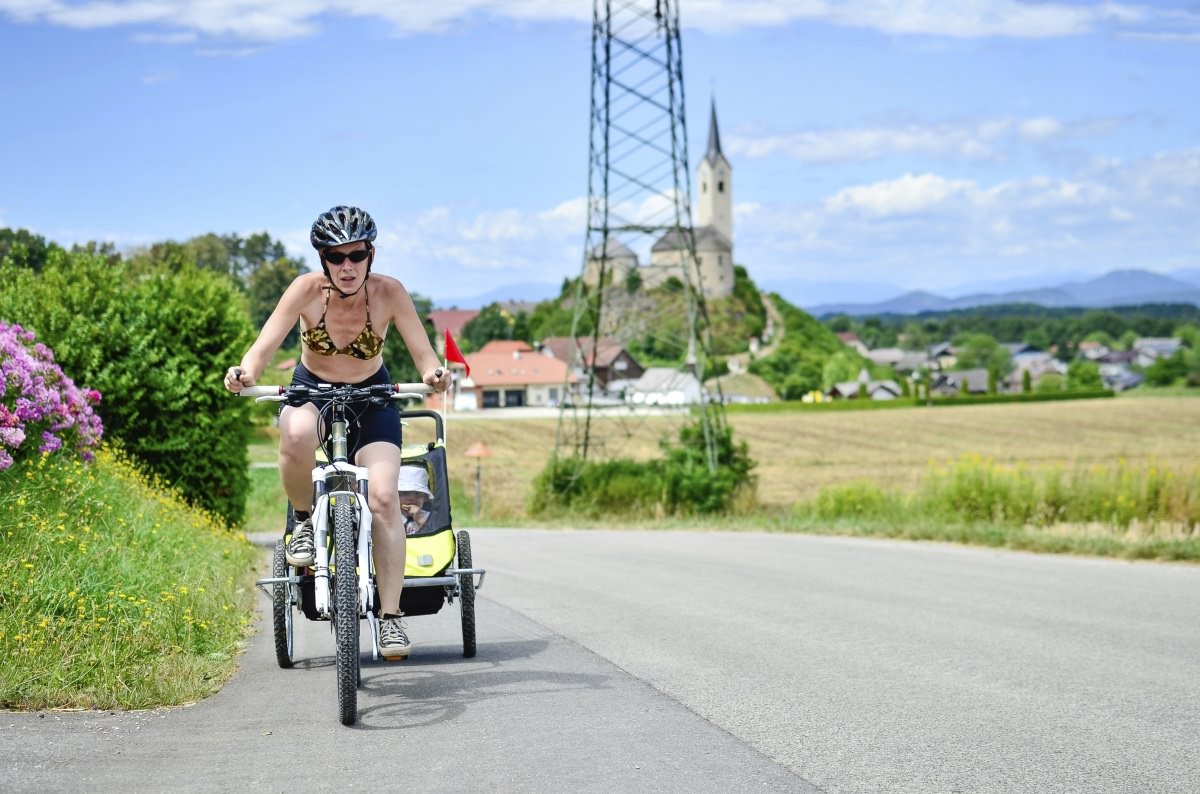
(798, 453)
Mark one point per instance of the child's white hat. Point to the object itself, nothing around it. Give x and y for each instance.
(414, 478)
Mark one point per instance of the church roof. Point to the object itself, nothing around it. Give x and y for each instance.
(616, 249)
(714, 154)
(706, 237)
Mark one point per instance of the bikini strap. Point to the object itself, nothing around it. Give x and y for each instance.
(325, 308)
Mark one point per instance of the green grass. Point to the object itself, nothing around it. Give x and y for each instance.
(1116, 509)
(113, 593)
(266, 507)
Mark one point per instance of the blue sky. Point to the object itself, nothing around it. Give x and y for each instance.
(877, 146)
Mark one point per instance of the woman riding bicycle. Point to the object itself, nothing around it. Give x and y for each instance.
(342, 344)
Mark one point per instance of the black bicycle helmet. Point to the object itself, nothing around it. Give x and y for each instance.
(341, 225)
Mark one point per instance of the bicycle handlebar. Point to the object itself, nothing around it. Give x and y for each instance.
(396, 389)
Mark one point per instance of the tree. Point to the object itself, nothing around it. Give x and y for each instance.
(92, 248)
(1038, 338)
(633, 281)
(151, 346)
(1051, 382)
(839, 323)
(842, 366)
(802, 380)
(1084, 376)
(982, 351)
(1026, 382)
(1166, 371)
(494, 322)
(265, 285)
(24, 248)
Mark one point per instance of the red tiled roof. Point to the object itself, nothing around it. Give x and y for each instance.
(505, 369)
(509, 346)
(560, 347)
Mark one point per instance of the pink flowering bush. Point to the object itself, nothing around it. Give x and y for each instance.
(40, 407)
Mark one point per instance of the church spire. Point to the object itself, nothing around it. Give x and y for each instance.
(714, 137)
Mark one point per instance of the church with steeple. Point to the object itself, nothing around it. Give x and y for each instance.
(713, 219)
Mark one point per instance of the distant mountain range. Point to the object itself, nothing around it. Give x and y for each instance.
(1117, 288)
(519, 292)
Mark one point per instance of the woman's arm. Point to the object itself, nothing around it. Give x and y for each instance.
(412, 331)
(274, 331)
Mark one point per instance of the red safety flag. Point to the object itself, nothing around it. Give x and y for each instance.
(454, 354)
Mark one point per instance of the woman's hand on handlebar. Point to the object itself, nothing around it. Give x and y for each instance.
(438, 378)
(236, 378)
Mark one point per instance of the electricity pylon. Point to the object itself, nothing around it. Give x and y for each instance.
(640, 286)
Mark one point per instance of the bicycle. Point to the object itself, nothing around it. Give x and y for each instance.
(342, 536)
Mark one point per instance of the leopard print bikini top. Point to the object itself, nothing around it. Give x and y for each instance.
(366, 345)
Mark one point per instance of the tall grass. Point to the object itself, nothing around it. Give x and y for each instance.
(1138, 509)
(113, 592)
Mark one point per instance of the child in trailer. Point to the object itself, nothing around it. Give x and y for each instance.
(413, 485)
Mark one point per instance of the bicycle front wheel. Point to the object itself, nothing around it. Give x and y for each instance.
(282, 613)
(345, 609)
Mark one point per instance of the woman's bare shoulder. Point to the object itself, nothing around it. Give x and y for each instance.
(389, 289)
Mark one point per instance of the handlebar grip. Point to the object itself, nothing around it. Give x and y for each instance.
(412, 388)
(260, 391)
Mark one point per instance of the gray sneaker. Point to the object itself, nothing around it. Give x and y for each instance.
(301, 552)
(393, 641)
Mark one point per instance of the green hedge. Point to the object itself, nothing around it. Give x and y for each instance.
(155, 346)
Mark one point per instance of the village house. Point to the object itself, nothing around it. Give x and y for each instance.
(887, 356)
(1037, 364)
(510, 374)
(452, 320)
(1091, 350)
(614, 365)
(947, 384)
(1151, 349)
(665, 386)
(876, 389)
(851, 340)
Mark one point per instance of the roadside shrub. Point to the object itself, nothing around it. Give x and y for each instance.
(859, 499)
(692, 487)
(41, 408)
(680, 484)
(156, 345)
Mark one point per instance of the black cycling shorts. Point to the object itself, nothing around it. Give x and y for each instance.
(368, 423)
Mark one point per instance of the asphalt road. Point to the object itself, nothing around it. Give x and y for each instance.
(673, 661)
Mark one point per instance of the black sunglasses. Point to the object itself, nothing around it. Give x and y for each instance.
(337, 257)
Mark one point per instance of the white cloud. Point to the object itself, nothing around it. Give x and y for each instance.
(159, 77)
(184, 37)
(1041, 128)
(275, 20)
(974, 140)
(450, 250)
(931, 231)
(904, 196)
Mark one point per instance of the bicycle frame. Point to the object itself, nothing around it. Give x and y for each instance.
(332, 481)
